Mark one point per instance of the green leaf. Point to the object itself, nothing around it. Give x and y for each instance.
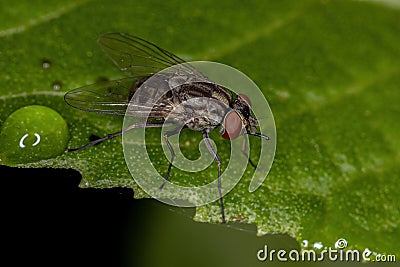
(329, 69)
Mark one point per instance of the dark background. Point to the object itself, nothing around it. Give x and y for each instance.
(49, 220)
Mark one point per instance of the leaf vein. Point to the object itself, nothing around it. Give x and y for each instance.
(42, 19)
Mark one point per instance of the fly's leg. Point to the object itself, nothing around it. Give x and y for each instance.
(244, 145)
(218, 161)
(95, 142)
(110, 136)
(171, 150)
(244, 148)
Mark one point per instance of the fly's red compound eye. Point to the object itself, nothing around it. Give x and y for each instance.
(245, 98)
(232, 125)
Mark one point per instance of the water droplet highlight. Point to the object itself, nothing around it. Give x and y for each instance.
(22, 140)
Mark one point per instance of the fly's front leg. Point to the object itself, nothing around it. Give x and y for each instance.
(171, 150)
(218, 161)
(244, 148)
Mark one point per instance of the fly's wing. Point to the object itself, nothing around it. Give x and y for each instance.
(138, 57)
(110, 97)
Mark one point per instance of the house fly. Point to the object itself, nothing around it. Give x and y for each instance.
(140, 60)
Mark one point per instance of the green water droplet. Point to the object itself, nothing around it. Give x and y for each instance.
(32, 133)
(46, 63)
(56, 85)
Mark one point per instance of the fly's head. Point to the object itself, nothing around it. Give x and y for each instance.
(239, 118)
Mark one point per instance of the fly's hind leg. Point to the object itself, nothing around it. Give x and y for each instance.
(110, 136)
(218, 161)
(95, 142)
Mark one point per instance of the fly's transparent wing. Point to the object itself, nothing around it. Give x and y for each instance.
(110, 97)
(138, 57)
(113, 97)
(140, 60)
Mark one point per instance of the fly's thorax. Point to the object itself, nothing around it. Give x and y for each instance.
(177, 81)
(242, 108)
(222, 94)
(195, 89)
